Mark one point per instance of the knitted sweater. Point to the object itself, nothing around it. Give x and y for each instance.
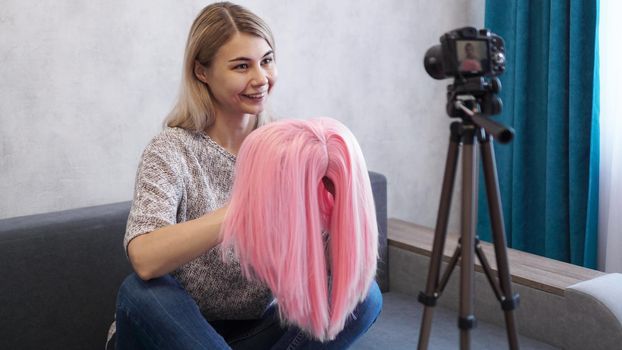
(183, 175)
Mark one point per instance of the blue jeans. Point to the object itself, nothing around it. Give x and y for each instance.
(160, 314)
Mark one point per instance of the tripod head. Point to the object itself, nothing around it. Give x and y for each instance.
(474, 100)
(474, 58)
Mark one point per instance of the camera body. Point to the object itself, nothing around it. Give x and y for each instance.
(466, 52)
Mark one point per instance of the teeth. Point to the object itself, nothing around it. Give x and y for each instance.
(255, 96)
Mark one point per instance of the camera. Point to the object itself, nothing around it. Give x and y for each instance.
(466, 52)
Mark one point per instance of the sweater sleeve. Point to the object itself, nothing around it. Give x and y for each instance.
(158, 190)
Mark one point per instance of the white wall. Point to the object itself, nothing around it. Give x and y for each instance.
(85, 84)
(610, 174)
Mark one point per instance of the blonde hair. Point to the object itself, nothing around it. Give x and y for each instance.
(213, 27)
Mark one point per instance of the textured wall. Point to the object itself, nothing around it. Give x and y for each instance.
(85, 85)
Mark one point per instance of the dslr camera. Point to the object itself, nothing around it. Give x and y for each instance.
(464, 53)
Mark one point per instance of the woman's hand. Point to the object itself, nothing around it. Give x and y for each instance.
(162, 251)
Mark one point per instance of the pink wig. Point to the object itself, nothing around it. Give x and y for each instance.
(315, 251)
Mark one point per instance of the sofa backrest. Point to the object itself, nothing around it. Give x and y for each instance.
(60, 274)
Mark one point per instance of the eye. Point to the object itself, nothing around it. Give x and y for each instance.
(242, 66)
(267, 60)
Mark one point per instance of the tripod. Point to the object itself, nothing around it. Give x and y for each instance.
(473, 129)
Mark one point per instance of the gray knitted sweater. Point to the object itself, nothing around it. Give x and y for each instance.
(183, 175)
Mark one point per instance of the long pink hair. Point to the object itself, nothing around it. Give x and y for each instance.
(281, 213)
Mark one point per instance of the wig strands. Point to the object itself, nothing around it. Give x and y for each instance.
(281, 210)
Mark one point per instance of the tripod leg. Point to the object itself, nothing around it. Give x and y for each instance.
(487, 270)
(431, 294)
(508, 300)
(451, 265)
(467, 320)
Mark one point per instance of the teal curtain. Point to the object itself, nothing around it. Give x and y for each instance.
(548, 175)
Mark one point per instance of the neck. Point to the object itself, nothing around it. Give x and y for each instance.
(230, 132)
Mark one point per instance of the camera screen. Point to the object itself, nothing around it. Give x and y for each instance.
(472, 56)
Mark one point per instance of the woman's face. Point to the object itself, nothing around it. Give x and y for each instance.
(241, 75)
(470, 51)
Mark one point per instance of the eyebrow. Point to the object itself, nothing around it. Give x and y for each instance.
(248, 59)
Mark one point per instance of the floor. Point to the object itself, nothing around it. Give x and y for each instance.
(398, 328)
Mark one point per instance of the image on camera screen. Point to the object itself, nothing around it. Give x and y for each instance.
(472, 56)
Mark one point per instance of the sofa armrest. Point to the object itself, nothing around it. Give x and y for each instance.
(379, 189)
(594, 313)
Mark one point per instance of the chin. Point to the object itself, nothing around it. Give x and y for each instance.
(254, 111)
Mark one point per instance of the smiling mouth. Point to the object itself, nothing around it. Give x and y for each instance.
(257, 96)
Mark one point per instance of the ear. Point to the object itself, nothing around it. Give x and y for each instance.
(200, 71)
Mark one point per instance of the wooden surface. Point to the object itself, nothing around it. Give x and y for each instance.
(534, 271)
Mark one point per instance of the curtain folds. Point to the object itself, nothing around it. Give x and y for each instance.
(548, 175)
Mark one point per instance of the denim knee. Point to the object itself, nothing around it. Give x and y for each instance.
(134, 293)
(159, 313)
(131, 287)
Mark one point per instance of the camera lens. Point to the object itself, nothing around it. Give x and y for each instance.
(433, 62)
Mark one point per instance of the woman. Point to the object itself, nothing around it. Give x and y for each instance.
(470, 63)
(182, 296)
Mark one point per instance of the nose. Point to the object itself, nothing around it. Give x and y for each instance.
(260, 77)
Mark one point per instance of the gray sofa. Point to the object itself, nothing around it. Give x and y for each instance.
(60, 274)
